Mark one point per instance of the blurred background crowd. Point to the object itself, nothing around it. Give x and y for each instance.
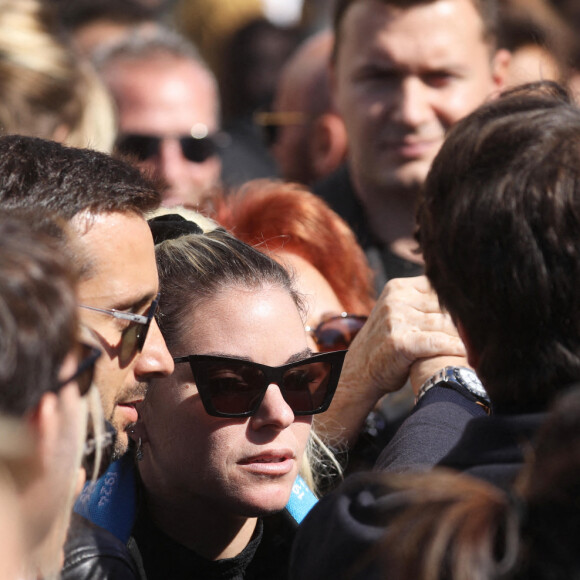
(259, 105)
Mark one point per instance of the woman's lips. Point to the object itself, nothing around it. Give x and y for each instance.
(269, 463)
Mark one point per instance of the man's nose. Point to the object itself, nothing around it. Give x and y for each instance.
(154, 360)
(413, 107)
(172, 164)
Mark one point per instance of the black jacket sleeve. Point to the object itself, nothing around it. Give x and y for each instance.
(430, 432)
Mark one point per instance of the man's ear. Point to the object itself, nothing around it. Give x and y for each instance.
(328, 143)
(472, 354)
(500, 65)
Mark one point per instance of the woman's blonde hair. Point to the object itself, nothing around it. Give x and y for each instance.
(46, 89)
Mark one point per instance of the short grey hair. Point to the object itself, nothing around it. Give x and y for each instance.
(144, 43)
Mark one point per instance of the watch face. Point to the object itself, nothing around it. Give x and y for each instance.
(471, 381)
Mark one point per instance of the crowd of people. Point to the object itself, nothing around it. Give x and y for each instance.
(289, 301)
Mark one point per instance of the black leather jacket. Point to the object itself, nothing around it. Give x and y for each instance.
(93, 553)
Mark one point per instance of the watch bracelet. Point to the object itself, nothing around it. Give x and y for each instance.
(438, 380)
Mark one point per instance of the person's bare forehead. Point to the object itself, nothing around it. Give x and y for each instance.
(487, 10)
(119, 252)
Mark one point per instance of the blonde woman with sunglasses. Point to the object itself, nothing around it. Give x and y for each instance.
(221, 442)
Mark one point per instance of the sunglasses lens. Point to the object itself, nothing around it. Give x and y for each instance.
(85, 372)
(134, 336)
(197, 150)
(306, 386)
(337, 333)
(130, 341)
(234, 388)
(141, 147)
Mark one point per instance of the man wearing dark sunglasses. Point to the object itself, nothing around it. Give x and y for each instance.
(168, 109)
(104, 200)
(45, 373)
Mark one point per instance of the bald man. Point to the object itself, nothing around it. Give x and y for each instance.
(309, 138)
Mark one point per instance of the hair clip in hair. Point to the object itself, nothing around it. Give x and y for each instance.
(172, 226)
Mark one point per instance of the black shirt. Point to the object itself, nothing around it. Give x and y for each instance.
(264, 558)
(338, 192)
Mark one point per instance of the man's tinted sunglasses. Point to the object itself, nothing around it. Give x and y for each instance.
(270, 123)
(143, 147)
(134, 335)
(85, 370)
(231, 387)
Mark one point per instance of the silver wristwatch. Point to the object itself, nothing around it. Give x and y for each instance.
(459, 378)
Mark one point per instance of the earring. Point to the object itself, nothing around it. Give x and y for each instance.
(139, 452)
